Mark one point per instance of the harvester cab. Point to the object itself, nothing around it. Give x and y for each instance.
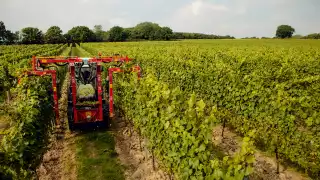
(88, 100)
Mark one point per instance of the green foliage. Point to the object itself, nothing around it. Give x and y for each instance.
(11, 38)
(30, 111)
(2, 31)
(284, 31)
(54, 35)
(151, 31)
(99, 33)
(254, 37)
(6, 36)
(16, 57)
(31, 114)
(297, 36)
(31, 35)
(178, 129)
(142, 31)
(67, 38)
(312, 36)
(186, 35)
(128, 33)
(164, 33)
(271, 86)
(81, 34)
(115, 34)
(145, 30)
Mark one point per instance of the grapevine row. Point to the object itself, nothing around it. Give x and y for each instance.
(31, 116)
(178, 129)
(271, 88)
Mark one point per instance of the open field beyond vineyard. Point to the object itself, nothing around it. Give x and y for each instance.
(203, 109)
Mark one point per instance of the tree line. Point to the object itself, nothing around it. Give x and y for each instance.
(142, 31)
(286, 31)
(54, 35)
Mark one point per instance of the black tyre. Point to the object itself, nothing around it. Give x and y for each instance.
(5, 177)
(106, 119)
(70, 118)
(69, 96)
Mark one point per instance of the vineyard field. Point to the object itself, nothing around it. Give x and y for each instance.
(266, 89)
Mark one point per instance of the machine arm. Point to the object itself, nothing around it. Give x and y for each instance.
(38, 61)
(117, 70)
(40, 67)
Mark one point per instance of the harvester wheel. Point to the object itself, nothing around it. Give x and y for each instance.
(69, 96)
(70, 118)
(106, 119)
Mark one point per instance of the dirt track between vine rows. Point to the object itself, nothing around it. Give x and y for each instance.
(265, 167)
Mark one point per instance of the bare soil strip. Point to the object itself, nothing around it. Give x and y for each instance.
(265, 168)
(136, 158)
(59, 160)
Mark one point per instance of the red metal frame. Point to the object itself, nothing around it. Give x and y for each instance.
(73, 91)
(81, 115)
(101, 59)
(111, 70)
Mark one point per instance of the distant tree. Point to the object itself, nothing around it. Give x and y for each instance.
(18, 37)
(32, 35)
(106, 35)
(2, 32)
(284, 31)
(312, 36)
(164, 33)
(81, 34)
(145, 30)
(178, 35)
(150, 31)
(6, 36)
(185, 35)
(128, 33)
(10, 38)
(54, 35)
(226, 37)
(297, 36)
(116, 33)
(99, 33)
(67, 38)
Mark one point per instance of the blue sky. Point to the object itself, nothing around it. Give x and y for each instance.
(238, 18)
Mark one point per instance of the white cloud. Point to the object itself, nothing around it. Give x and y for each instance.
(200, 16)
(235, 17)
(200, 6)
